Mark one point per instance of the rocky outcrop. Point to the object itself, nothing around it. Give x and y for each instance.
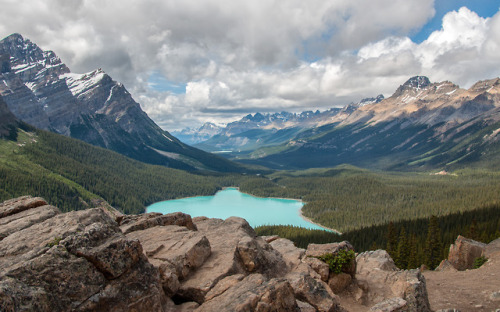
(463, 253)
(77, 261)
(98, 259)
(381, 285)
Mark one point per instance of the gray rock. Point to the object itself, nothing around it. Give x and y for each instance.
(464, 252)
(144, 221)
(445, 265)
(78, 261)
(19, 204)
(495, 296)
(390, 305)
(175, 251)
(319, 266)
(291, 254)
(26, 218)
(380, 280)
(339, 282)
(313, 291)
(242, 252)
(254, 293)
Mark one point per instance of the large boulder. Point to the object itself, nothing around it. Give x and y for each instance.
(380, 282)
(463, 253)
(254, 293)
(235, 249)
(313, 291)
(129, 224)
(78, 261)
(175, 250)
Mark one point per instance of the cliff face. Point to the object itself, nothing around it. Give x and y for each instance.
(99, 259)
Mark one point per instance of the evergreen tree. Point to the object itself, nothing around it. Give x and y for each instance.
(412, 258)
(433, 245)
(402, 251)
(391, 240)
(472, 234)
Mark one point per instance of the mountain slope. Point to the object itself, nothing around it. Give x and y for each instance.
(422, 125)
(40, 90)
(76, 175)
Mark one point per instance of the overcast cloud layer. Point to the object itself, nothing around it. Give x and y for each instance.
(237, 57)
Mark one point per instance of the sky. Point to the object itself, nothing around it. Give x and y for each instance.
(194, 61)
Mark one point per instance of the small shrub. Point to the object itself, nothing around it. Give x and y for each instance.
(54, 242)
(338, 262)
(478, 262)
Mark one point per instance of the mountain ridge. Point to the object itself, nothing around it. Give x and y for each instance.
(41, 90)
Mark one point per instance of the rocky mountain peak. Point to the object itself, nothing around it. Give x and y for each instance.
(413, 84)
(490, 86)
(22, 49)
(371, 100)
(417, 82)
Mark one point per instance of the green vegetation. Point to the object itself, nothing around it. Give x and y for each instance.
(374, 209)
(419, 241)
(54, 242)
(347, 198)
(478, 262)
(69, 173)
(337, 263)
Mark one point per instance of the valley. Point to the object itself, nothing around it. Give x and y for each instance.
(407, 173)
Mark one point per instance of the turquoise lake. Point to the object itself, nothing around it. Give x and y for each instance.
(231, 202)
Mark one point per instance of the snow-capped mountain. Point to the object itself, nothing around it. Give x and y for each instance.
(40, 90)
(422, 124)
(196, 135)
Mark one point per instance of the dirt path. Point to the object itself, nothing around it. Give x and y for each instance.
(470, 290)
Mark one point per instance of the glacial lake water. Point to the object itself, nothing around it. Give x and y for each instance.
(231, 202)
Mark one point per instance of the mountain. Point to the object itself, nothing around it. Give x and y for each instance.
(271, 129)
(422, 125)
(40, 90)
(8, 122)
(196, 135)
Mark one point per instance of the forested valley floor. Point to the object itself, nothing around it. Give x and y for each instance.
(387, 210)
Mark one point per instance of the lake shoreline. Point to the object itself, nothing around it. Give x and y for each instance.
(300, 210)
(304, 218)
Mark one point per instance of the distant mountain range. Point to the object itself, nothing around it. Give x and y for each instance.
(422, 125)
(40, 90)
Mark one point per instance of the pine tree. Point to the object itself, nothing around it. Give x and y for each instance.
(391, 240)
(473, 234)
(412, 258)
(402, 251)
(433, 245)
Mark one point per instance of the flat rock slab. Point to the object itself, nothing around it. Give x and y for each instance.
(19, 204)
(145, 221)
(25, 218)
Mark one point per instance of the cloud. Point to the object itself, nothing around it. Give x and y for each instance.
(239, 57)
